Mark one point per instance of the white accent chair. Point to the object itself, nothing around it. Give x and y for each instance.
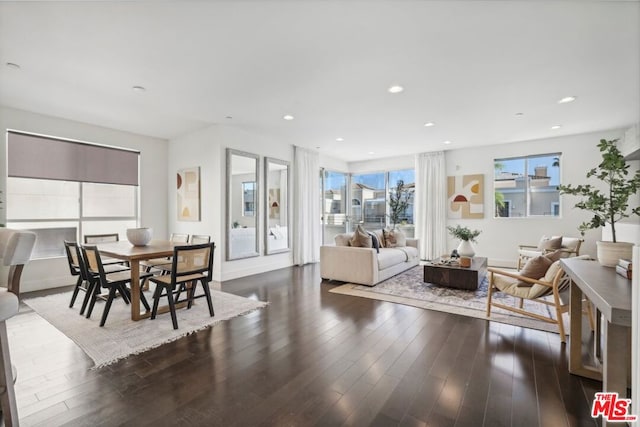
(15, 251)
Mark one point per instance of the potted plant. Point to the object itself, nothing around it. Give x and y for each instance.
(399, 200)
(609, 205)
(466, 236)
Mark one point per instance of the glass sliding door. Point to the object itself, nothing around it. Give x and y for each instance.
(368, 200)
(334, 205)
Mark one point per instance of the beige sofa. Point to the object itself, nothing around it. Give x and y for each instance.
(364, 265)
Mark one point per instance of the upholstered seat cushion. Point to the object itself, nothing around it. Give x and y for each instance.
(389, 257)
(410, 251)
(510, 286)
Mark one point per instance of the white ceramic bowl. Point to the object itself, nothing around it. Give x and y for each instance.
(139, 236)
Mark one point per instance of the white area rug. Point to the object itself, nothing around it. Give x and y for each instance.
(121, 337)
(409, 289)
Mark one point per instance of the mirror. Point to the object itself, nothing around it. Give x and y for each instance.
(276, 215)
(242, 205)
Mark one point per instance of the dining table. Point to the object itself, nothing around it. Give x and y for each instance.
(133, 255)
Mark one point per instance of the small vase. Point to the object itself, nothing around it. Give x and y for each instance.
(466, 249)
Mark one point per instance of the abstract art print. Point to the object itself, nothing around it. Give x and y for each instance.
(188, 191)
(465, 196)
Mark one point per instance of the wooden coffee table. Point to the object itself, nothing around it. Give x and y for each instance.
(457, 277)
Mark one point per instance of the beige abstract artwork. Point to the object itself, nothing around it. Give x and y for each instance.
(465, 196)
(188, 191)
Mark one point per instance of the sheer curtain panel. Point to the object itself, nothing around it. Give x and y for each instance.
(306, 206)
(431, 204)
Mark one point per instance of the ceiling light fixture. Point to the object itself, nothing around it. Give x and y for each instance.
(554, 127)
(446, 142)
(566, 99)
(519, 114)
(429, 124)
(229, 117)
(139, 89)
(288, 117)
(395, 89)
(372, 152)
(13, 65)
(339, 139)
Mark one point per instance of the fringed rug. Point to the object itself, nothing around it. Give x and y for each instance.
(408, 288)
(122, 337)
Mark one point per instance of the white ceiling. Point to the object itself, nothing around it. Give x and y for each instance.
(467, 66)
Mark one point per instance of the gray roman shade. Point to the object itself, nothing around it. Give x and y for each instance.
(34, 156)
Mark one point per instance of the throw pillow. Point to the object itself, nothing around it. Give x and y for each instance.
(374, 241)
(343, 239)
(555, 255)
(394, 238)
(380, 236)
(361, 238)
(550, 243)
(535, 268)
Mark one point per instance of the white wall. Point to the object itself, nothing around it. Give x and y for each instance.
(49, 273)
(501, 236)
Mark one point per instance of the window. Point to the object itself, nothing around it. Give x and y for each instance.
(78, 189)
(369, 191)
(527, 186)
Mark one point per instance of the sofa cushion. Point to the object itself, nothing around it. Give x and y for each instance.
(375, 243)
(394, 238)
(343, 239)
(380, 235)
(361, 239)
(388, 257)
(410, 251)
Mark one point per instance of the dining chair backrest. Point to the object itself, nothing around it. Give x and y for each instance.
(76, 260)
(197, 239)
(93, 262)
(179, 238)
(192, 260)
(101, 238)
(71, 249)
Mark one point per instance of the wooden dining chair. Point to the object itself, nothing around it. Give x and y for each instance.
(159, 263)
(190, 265)
(115, 282)
(78, 267)
(198, 239)
(94, 239)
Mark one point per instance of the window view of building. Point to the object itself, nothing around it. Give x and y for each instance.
(527, 186)
(356, 199)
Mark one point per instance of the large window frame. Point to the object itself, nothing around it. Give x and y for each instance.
(350, 221)
(527, 186)
(86, 187)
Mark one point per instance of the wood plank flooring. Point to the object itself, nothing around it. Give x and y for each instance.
(309, 358)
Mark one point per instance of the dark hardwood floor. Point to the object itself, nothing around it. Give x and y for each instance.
(310, 358)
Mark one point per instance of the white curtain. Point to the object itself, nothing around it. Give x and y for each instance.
(306, 206)
(431, 204)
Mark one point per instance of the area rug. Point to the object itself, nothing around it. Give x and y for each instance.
(122, 337)
(408, 288)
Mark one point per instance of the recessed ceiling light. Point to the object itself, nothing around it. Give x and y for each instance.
(339, 139)
(229, 117)
(429, 124)
(446, 142)
(138, 89)
(395, 89)
(372, 152)
(566, 99)
(556, 127)
(519, 114)
(288, 117)
(13, 65)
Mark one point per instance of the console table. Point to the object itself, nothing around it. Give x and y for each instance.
(611, 295)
